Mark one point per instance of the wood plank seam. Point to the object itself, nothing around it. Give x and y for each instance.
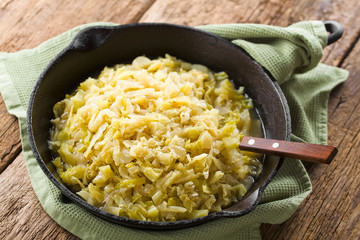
(343, 224)
(15, 154)
(6, 4)
(4, 131)
(8, 152)
(140, 15)
(348, 51)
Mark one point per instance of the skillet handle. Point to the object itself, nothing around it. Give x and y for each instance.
(335, 29)
(90, 38)
(305, 151)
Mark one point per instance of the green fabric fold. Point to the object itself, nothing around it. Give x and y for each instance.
(282, 51)
(290, 54)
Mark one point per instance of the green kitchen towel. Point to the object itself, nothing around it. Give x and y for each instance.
(290, 54)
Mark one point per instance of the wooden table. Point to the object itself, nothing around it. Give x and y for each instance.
(331, 211)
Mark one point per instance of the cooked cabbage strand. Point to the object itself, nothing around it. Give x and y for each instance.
(155, 140)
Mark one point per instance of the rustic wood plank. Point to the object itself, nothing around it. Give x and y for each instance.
(288, 12)
(276, 12)
(10, 145)
(25, 28)
(29, 23)
(25, 19)
(200, 12)
(342, 203)
(331, 211)
(21, 215)
(344, 102)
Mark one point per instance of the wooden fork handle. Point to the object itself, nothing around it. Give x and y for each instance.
(304, 151)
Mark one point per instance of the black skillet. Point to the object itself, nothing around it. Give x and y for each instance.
(96, 47)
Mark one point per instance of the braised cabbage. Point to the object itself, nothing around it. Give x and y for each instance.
(155, 140)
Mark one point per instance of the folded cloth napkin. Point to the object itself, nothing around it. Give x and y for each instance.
(290, 54)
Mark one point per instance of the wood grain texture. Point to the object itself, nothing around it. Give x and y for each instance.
(10, 145)
(275, 12)
(310, 221)
(21, 215)
(30, 22)
(200, 12)
(331, 211)
(304, 151)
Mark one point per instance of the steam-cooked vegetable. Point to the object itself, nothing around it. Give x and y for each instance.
(156, 140)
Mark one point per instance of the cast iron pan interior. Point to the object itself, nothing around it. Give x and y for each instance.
(96, 47)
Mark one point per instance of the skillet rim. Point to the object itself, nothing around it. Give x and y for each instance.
(77, 45)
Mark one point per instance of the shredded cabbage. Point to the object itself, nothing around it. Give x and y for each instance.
(155, 140)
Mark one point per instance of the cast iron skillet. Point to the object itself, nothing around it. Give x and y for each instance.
(96, 47)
